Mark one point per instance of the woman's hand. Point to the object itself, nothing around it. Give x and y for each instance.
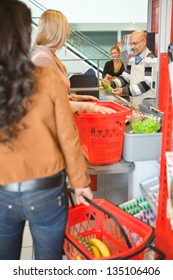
(76, 97)
(103, 110)
(80, 192)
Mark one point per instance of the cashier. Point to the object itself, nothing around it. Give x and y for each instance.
(138, 79)
(114, 67)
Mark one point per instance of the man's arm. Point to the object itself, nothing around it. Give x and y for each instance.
(144, 85)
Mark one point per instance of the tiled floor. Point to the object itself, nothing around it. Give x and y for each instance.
(27, 246)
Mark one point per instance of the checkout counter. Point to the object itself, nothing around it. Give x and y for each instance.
(140, 153)
(140, 158)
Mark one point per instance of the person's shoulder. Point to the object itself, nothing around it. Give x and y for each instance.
(131, 60)
(151, 59)
(151, 54)
(109, 62)
(41, 70)
(46, 73)
(48, 82)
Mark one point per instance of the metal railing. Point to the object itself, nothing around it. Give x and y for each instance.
(97, 63)
(78, 43)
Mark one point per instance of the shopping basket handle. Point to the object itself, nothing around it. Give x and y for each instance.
(113, 218)
(160, 254)
(70, 191)
(105, 212)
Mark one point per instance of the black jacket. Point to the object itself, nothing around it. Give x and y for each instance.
(109, 69)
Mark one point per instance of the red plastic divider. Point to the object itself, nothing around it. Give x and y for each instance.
(164, 234)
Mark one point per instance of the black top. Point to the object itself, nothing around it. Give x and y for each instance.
(109, 69)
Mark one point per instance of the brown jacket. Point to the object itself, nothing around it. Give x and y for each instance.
(42, 56)
(49, 143)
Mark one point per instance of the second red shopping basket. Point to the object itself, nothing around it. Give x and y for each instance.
(125, 236)
(101, 135)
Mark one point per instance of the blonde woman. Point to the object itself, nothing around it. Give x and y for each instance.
(113, 68)
(53, 31)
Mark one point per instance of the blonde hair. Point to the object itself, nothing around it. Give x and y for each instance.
(53, 29)
(118, 63)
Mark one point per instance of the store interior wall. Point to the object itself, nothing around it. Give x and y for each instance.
(98, 11)
(105, 30)
(103, 26)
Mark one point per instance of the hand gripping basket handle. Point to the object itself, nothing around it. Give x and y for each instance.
(105, 212)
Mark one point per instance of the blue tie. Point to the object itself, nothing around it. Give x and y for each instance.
(137, 59)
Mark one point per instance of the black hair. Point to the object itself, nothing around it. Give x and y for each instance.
(16, 69)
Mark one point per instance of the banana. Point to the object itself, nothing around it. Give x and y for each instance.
(100, 246)
(96, 251)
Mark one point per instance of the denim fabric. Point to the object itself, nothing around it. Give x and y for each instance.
(46, 211)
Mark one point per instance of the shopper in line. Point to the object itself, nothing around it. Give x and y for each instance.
(53, 31)
(138, 80)
(114, 67)
(38, 144)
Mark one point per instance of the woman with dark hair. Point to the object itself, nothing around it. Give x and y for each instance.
(114, 67)
(38, 145)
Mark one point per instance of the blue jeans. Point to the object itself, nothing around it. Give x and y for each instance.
(46, 211)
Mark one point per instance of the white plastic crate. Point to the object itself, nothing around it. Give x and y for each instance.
(140, 147)
(150, 189)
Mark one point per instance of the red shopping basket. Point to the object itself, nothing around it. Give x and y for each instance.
(101, 135)
(125, 236)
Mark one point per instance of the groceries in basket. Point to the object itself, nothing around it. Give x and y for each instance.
(102, 230)
(95, 246)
